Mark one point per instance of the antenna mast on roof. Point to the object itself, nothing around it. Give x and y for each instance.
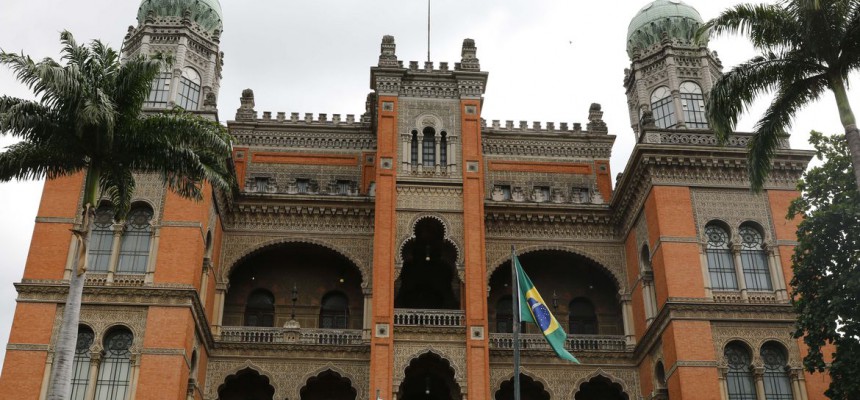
(428, 30)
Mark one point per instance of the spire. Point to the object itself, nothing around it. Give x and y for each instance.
(387, 55)
(469, 60)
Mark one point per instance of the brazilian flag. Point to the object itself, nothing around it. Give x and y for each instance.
(533, 309)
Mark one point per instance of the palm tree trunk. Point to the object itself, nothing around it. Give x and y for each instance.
(60, 383)
(852, 134)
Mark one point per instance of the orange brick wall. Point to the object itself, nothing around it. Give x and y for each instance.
(23, 370)
(686, 341)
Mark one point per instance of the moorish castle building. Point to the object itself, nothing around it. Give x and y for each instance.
(368, 256)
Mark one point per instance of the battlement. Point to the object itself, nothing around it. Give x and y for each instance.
(596, 125)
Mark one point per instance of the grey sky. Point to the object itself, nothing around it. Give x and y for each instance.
(314, 56)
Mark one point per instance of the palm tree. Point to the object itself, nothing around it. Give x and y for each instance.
(88, 119)
(806, 47)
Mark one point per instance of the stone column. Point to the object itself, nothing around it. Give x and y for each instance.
(452, 155)
(154, 234)
(758, 373)
(46, 377)
(407, 152)
(368, 312)
(776, 275)
(648, 300)
(420, 139)
(218, 313)
(204, 281)
(134, 375)
(739, 271)
(95, 361)
(627, 317)
(706, 275)
(438, 158)
(724, 389)
(115, 247)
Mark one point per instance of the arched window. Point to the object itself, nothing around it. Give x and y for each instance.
(428, 147)
(134, 248)
(739, 377)
(754, 259)
(443, 150)
(334, 313)
(660, 375)
(777, 385)
(101, 239)
(663, 108)
(81, 363)
(115, 368)
(260, 309)
(414, 149)
(693, 104)
(189, 89)
(159, 91)
(582, 320)
(504, 315)
(720, 265)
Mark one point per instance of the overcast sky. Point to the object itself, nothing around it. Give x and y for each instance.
(548, 61)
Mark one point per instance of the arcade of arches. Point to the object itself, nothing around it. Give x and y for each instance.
(326, 286)
(581, 293)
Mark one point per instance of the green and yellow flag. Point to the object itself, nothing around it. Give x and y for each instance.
(533, 309)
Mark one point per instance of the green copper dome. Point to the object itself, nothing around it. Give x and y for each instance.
(206, 13)
(674, 17)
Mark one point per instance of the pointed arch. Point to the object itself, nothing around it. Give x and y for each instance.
(616, 274)
(250, 366)
(327, 368)
(601, 373)
(527, 372)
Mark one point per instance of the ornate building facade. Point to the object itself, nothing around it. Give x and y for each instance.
(368, 257)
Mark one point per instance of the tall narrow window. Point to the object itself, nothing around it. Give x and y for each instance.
(260, 309)
(115, 368)
(720, 265)
(188, 96)
(101, 239)
(504, 315)
(428, 147)
(159, 91)
(334, 313)
(777, 385)
(663, 108)
(582, 320)
(414, 149)
(693, 104)
(754, 259)
(739, 377)
(134, 248)
(443, 150)
(81, 363)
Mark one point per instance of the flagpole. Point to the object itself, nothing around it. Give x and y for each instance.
(515, 296)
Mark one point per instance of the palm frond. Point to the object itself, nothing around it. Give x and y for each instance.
(118, 185)
(768, 26)
(26, 160)
(772, 129)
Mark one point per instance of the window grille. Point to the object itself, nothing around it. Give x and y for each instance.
(663, 108)
(101, 240)
(81, 363)
(189, 89)
(159, 91)
(429, 147)
(777, 385)
(334, 313)
(115, 368)
(754, 260)
(582, 320)
(443, 150)
(693, 104)
(739, 377)
(134, 248)
(720, 264)
(260, 309)
(414, 149)
(504, 315)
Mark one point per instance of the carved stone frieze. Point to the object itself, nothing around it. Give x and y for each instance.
(732, 207)
(563, 381)
(497, 144)
(287, 376)
(582, 226)
(609, 257)
(642, 233)
(301, 138)
(357, 249)
(754, 335)
(429, 198)
(299, 218)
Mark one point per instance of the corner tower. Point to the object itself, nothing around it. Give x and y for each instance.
(187, 32)
(671, 72)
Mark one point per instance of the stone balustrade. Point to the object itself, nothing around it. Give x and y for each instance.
(253, 334)
(574, 343)
(418, 317)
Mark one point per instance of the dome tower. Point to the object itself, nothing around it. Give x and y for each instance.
(670, 72)
(189, 32)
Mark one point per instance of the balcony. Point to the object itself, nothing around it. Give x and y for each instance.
(418, 317)
(574, 343)
(251, 334)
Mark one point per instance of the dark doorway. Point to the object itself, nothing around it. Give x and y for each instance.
(429, 377)
(600, 388)
(529, 389)
(428, 279)
(328, 385)
(246, 384)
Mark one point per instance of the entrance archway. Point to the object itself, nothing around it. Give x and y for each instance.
(328, 385)
(429, 377)
(529, 389)
(601, 388)
(246, 384)
(429, 277)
